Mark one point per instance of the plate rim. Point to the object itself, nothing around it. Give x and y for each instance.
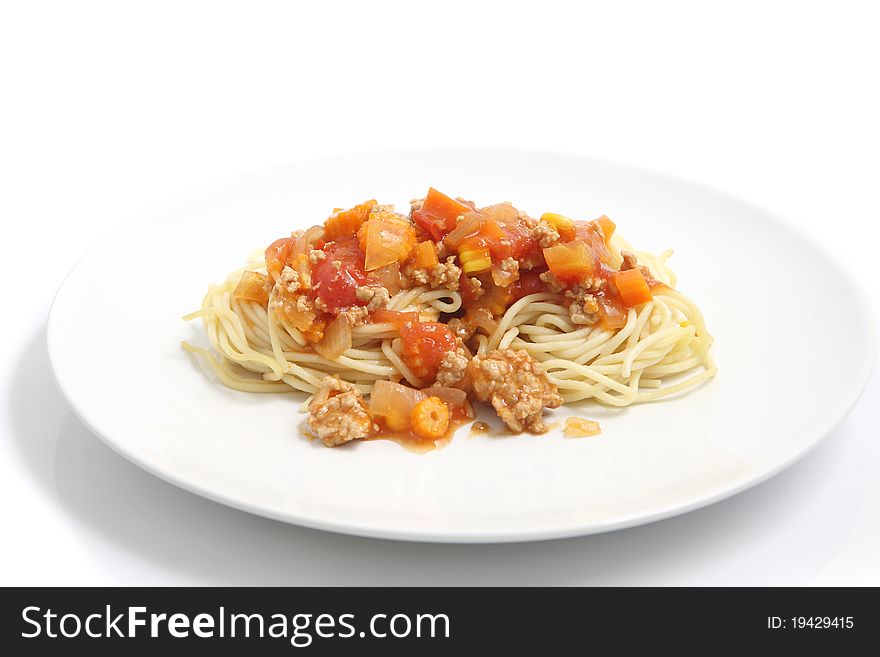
(303, 518)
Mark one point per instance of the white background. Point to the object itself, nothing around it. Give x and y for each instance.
(108, 108)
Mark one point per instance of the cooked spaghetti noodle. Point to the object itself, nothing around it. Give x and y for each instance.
(603, 320)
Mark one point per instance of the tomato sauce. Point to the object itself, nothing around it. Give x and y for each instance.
(410, 440)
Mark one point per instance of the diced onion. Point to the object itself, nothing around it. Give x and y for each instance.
(304, 242)
(578, 427)
(336, 340)
(502, 277)
(388, 277)
(394, 403)
(482, 319)
(452, 396)
(467, 227)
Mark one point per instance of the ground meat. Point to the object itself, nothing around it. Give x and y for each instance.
(553, 283)
(442, 250)
(316, 255)
(376, 297)
(380, 299)
(417, 275)
(356, 315)
(443, 274)
(476, 287)
(290, 279)
(585, 312)
(304, 304)
(338, 414)
(526, 220)
(461, 329)
(588, 285)
(509, 271)
(453, 368)
(516, 386)
(545, 234)
(510, 265)
(584, 308)
(321, 305)
(629, 261)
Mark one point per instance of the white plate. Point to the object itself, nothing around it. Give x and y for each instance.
(794, 343)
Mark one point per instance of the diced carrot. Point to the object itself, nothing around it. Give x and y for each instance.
(382, 316)
(572, 261)
(430, 418)
(425, 254)
(492, 231)
(346, 223)
(437, 204)
(632, 286)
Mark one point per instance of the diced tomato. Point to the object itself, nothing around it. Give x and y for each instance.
(438, 214)
(507, 235)
(465, 289)
(436, 227)
(424, 344)
(337, 287)
(497, 299)
(528, 283)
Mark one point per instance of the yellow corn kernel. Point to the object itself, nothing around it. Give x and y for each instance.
(475, 261)
(478, 266)
(558, 221)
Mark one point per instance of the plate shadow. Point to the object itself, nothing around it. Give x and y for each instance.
(130, 518)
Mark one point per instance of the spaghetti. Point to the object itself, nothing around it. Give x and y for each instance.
(440, 301)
